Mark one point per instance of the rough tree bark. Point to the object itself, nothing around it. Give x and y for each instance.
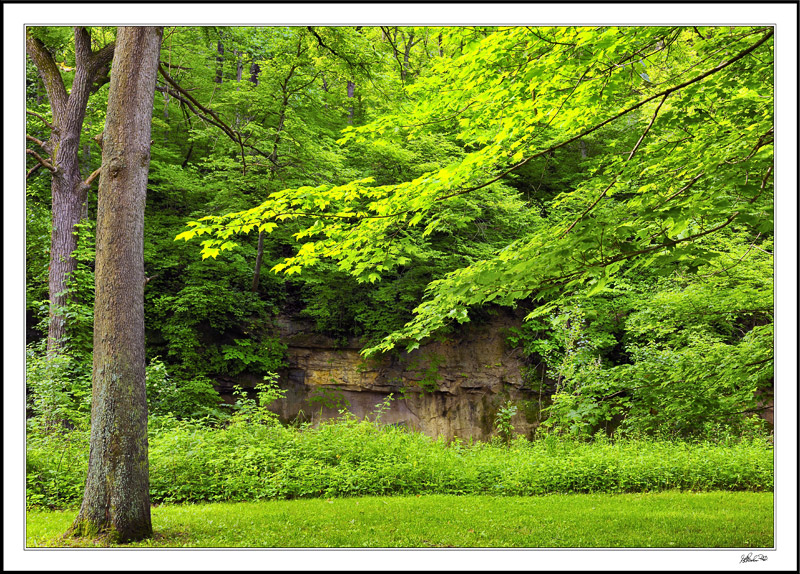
(116, 500)
(69, 190)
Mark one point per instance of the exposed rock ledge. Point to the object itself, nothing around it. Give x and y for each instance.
(448, 388)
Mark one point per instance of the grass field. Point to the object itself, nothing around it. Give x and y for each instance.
(647, 520)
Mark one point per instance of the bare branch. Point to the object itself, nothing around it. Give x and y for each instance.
(650, 125)
(175, 66)
(763, 184)
(48, 124)
(38, 142)
(388, 36)
(633, 152)
(92, 177)
(592, 206)
(41, 160)
(196, 108)
(104, 55)
(749, 249)
(32, 170)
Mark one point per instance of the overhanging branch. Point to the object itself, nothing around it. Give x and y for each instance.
(616, 116)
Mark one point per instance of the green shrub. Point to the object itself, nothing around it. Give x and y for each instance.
(186, 399)
(253, 459)
(59, 388)
(56, 465)
(502, 421)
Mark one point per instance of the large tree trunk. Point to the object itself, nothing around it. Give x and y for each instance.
(116, 500)
(69, 191)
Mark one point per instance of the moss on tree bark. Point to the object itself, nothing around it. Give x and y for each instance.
(116, 501)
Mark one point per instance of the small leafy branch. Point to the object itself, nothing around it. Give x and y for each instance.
(256, 411)
(502, 421)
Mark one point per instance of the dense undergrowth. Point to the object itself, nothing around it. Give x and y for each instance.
(192, 462)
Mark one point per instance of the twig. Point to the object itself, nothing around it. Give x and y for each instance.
(647, 129)
(33, 169)
(41, 160)
(761, 362)
(749, 249)
(681, 190)
(633, 152)
(48, 124)
(38, 142)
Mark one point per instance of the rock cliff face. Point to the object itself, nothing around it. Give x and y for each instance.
(449, 388)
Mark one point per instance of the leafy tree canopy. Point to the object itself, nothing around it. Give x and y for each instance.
(675, 128)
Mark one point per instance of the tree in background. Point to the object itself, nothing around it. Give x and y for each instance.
(116, 501)
(61, 148)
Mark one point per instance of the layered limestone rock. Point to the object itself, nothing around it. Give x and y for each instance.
(449, 388)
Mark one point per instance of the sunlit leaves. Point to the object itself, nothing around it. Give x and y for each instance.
(703, 156)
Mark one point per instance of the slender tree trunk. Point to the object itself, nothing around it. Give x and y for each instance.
(274, 157)
(87, 166)
(220, 61)
(69, 191)
(325, 89)
(259, 257)
(255, 70)
(239, 66)
(351, 92)
(116, 500)
(407, 53)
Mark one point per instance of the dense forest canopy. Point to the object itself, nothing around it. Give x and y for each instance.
(391, 183)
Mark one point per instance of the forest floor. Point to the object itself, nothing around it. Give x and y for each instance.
(671, 519)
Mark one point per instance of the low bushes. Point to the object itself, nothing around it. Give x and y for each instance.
(190, 462)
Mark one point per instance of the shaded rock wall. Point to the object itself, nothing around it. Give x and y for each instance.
(449, 388)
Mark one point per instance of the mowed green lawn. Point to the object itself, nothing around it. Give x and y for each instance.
(650, 520)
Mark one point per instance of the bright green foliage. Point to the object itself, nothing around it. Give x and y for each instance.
(615, 183)
(502, 421)
(59, 389)
(672, 191)
(194, 398)
(55, 465)
(701, 148)
(191, 462)
(256, 411)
